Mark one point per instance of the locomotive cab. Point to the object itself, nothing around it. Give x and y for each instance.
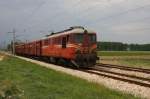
(85, 54)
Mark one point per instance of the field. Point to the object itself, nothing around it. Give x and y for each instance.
(129, 58)
(124, 53)
(41, 83)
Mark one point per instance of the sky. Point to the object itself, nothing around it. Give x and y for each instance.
(126, 21)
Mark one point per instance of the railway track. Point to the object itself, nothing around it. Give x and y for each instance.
(100, 71)
(97, 70)
(147, 71)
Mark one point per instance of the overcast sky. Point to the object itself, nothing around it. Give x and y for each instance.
(125, 21)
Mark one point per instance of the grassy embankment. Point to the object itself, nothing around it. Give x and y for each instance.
(130, 58)
(42, 83)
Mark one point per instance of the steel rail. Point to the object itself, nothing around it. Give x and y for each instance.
(120, 74)
(118, 78)
(147, 71)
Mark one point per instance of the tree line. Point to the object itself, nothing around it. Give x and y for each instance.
(118, 46)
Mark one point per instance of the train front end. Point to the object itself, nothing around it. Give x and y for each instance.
(86, 50)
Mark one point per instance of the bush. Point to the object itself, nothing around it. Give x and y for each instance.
(9, 90)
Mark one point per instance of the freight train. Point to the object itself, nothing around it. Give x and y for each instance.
(75, 45)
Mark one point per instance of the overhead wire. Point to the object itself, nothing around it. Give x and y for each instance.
(126, 22)
(33, 12)
(121, 13)
(59, 14)
(109, 16)
(55, 15)
(134, 30)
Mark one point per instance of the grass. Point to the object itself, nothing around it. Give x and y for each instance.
(41, 83)
(126, 61)
(123, 53)
(136, 63)
(129, 58)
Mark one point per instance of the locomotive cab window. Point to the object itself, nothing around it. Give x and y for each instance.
(78, 38)
(92, 38)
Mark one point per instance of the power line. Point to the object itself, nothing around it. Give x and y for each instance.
(110, 16)
(127, 22)
(121, 13)
(92, 7)
(57, 14)
(33, 12)
(133, 30)
(14, 40)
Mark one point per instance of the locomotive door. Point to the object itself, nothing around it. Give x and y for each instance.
(64, 42)
(38, 48)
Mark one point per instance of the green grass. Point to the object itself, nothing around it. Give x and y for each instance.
(123, 53)
(41, 83)
(136, 63)
(130, 58)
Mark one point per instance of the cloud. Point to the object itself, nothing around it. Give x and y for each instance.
(112, 19)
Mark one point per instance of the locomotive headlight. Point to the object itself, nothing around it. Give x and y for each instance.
(94, 51)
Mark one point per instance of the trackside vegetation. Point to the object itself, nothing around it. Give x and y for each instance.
(142, 63)
(119, 46)
(130, 58)
(41, 83)
(123, 53)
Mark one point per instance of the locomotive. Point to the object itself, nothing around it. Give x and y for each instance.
(75, 45)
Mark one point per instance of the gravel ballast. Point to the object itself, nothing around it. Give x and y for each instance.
(139, 74)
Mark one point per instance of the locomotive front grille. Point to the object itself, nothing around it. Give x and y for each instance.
(85, 50)
(85, 60)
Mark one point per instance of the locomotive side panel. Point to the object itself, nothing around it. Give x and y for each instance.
(38, 48)
(57, 47)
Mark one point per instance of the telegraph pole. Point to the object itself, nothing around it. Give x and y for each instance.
(4, 45)
(14, 40)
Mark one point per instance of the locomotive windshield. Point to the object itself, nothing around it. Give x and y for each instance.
(80, 37)
(92, 38)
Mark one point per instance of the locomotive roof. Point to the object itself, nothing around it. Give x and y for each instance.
(71, 31)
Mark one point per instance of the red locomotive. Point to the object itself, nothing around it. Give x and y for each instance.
(75, 45)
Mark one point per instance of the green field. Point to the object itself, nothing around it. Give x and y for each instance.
(123, 53)
(129, 58)
(42, 83)
(137, 63)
